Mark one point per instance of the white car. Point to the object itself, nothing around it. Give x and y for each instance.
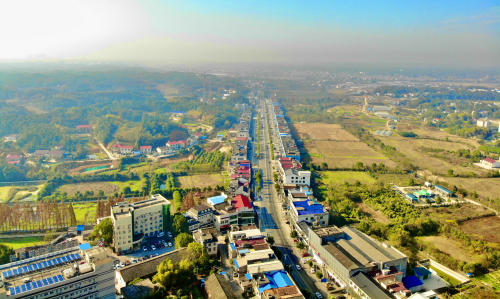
(298, 267)
(161, 234)
(144, 248)
(153, 247)
(170, 244)
(313, 270)
(117, 267)
(318, 295)
(134, 261)
(122, 264)
(169, 234)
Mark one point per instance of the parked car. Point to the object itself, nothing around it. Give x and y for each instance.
(170, 244)
(144, 248)
(298, 267)
(134, 261)
(318, 295)
(153, 247)
(161, 234)
(305, 254)
(122, 264)
(169, 234)
(313, 270)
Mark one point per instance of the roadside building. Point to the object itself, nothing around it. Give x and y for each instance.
(224, 216)
(133, 221)
(202, 213)
(77, 272)
(208, 238)
(308, 210)
(489, 163)
(484, 122)
(122, 149)
(55, 154)
(11, 137)
(382, 108)
(246, 215)
(294, 176)
(40, 153)
(366, 287)
(146, 149)
(163, 150)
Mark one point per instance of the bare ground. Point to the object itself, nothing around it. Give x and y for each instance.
(487, 227)
(449, 246)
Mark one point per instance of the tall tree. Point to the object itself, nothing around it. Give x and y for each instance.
(72, 215)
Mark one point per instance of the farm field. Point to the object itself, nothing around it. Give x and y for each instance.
(23, 242)
(201, 180)
(493, 279)
(334, 177)
(323, 131)
(411, 148)
(486, 187)
(448, 246)
(81, 209)
(487, 227)
(21, 194)
(454, 213)
(134, 185)
(107, 187)
(4, 192)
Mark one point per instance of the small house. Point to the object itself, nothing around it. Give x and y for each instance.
(489, 163)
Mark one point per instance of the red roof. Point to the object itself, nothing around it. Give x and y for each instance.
(182, 142)
(12, 162)
(146, 147)
(11, 156)
(197, 134)
(241, 202)
(117, 145)
(234, 176)
(172, 142)
(241, 138)
(489, 160)
(243, 162)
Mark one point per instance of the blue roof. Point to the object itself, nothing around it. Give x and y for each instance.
(277, 279)
(243, 251)
(80, 228)
(236, 264)
(443, 189)
(220, 135)
(248, 276)
(411, 281)
(421, 271)
(216, 200)
(84, 246)
(314, 208)
(232, 246)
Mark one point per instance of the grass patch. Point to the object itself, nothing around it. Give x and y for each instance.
(4, 192)
(446, 277)
(134, 185)
(334, 177)
(23, 242)
(493, 279)
(82, 209)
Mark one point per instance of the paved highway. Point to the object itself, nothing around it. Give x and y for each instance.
(271, 219)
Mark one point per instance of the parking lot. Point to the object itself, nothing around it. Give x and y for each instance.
(148, 242)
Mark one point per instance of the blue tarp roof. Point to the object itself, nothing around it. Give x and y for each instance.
(84, 246)
(236, 264)
(79, 228)
(421, 271)
(232, 246)
(277, 279)
(315, 208)
(243, 251)
(411, 281)
(248, 276)
(220, 135)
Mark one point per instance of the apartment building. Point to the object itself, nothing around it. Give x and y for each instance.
(202, 213)
(134, 221)
(78, 272)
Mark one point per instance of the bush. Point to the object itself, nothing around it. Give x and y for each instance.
(319, 275)
(407, 134)
(293, 234)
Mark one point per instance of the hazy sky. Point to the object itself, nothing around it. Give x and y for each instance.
(434, 31)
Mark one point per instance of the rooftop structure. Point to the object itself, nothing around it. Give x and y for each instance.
(366, 287)
(216, 199)
(217, 287)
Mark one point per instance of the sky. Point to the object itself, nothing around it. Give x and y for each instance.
(444, 32)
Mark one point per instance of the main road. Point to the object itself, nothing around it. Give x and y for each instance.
(268, 206)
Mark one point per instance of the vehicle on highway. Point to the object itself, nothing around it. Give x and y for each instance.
(153, 247)
(298, 267)
(318, 295)
(144, 248)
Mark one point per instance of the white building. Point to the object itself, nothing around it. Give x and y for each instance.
(202, 213)
(133, 221)
(146, 149)
(79, 272)
(293, 176)
(483, 122)
(164, 150)
(489, 163)
(11, 137)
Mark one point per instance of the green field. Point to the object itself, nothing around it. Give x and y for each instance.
(134, 185)
(493, 279)
(81, 209)
(4, 192)
(335, 177)
(446, 277)
(23, 242)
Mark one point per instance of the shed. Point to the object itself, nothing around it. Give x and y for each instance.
(443, 190)
(412, 283)
(79, 229)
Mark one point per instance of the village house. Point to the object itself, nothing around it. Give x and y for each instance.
(489, 163)
(122, 149)
(146, 149)
(13, 159)
(11, 137)
(208, 238)
(84, 128)
(55, 154)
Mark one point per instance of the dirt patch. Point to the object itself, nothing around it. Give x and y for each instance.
(201, 180)
(487, 227)
(377, 215)
(449, 246)
(225, 149)
(324, 132)
(108, 188)
(485, 187)
(459, 214)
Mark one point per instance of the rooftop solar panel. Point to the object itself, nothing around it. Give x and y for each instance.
(45, 282)
(25, 269)
(39, 284)
(50, 263)
(28, 287)
(60, 277)
(14, 271)
(33, 285)
(30, 268)
(23, 288)
(50, 280)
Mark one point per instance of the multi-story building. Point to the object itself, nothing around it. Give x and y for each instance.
(208, 238)
(202, 213)
(79, 272)
(246, 215)
(293, 176)
(225, 215)
(133, 221)
(146, 149)
(304, 207)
